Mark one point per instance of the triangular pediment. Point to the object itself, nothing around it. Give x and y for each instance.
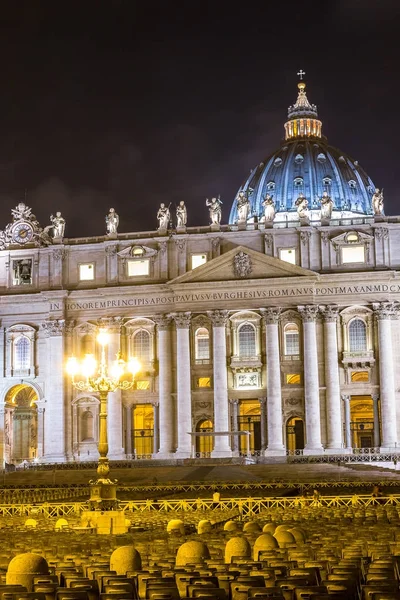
(242, 263)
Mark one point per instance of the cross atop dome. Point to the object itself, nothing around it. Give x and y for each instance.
(301, 73)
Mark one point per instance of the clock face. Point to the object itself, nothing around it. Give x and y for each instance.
(22, 233)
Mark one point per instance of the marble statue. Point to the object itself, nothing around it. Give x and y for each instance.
(243, 207)
(215, 210)
(377, 202)
(269, 208)
(163, 216)
(181, 214)
(302, 206)
(112, 221)
(58, 223)
(326, 207)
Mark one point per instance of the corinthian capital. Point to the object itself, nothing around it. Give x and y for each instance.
(271, 315)
(53, 327)
(308, 313)
(182, 319)
(386, 310)
(112, 324)
(329, 312)
(162, 321)
(218, 317)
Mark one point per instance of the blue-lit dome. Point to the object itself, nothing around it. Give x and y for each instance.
(306, 164)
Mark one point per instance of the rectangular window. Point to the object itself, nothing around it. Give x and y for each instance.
(22, 272)
(292, 346)
(293, 378)
(288, 255)
(204, 382)
(353, 254)
(198, 259)
(143, 385)
(138, 268)
(86, 272)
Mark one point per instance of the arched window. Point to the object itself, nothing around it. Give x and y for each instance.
(292, 341)
(141, 346)
(247, 340)
(202, 344)
(22, 353)
(357, 336)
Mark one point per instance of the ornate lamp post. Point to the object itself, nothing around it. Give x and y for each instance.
(90, 375)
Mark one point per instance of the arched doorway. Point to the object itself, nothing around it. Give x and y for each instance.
(362, 422)
(294, 434)
(250, 420)
(204, 443)
(21, 424)
(143, 430)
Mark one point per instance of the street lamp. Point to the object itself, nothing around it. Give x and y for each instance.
(90, 375)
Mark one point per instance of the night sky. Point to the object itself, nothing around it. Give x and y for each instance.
(129, 104)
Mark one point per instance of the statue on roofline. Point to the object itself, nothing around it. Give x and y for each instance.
(215, 210)
(269, 208)
(377, 202)
(112, 221)
(326, 207)
(181, 214)
(163, 216)
(243, 207)
(58, 223)
(302, 206)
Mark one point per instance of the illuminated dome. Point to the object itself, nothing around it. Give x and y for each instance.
(305, 163)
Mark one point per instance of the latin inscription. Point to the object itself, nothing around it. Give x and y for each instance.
(289, 292)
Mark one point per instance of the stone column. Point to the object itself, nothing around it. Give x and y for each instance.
(263, 427)
(54, 422)
(184, 391)
(56, 273)
(235, 412)
(220, 383)
(2, 435)
(347, 427)
(274, 389)
(156, 420)
(111, 250)
(40, 429)
(384, 312)
(311, 380)
(70, 423)
(114, 400)
(166, 407)
(332, 382)
(377, 437)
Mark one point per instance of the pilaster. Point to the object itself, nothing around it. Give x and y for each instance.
(184, 392)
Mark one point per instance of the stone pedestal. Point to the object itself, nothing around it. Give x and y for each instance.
(242, 225)
(181, 229)
(162, 231)
(112, 236)
(304, 221)
(325, 222)
(215, 227)
(109, 522)
(57, 240)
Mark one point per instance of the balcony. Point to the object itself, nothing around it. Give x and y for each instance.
(358, 359)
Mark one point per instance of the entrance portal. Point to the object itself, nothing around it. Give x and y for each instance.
(20, 424)
(295, 434)
(362, 422)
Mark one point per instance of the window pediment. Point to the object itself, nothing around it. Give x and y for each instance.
(351, 237)
(137, 251)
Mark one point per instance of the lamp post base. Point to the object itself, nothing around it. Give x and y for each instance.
(103, 494)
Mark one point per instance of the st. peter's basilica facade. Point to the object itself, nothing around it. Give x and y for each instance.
(275, 334)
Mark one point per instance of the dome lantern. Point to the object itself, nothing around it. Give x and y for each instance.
(302, 117)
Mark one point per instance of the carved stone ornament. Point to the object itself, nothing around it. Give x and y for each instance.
(215, 243)
(218, 317)
(111, 250)
(242, 265)
(162, 321)
(201, 321)
(182, 319)
(381, 233)
(69, 326)
(293, 401)
(308, 313)
(271, 315)
(330, 313)
(112, 324)
(386, 310)
(325, 237)
(53, 328)
(181, 245)
(269, 240)
(305, 237)
(59, 253)
(162, 247)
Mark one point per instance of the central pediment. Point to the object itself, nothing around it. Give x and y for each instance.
(240, 264)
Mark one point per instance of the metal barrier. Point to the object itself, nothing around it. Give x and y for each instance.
(243, 506)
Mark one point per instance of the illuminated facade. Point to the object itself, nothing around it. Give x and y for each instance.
(284, 328)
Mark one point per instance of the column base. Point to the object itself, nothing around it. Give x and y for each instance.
(183, 454)
(117, 455)
(160, 455)
(337, 450)
(221, 454)
(277, 451)
(54, 458)
(313, 451)
(392, 449)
